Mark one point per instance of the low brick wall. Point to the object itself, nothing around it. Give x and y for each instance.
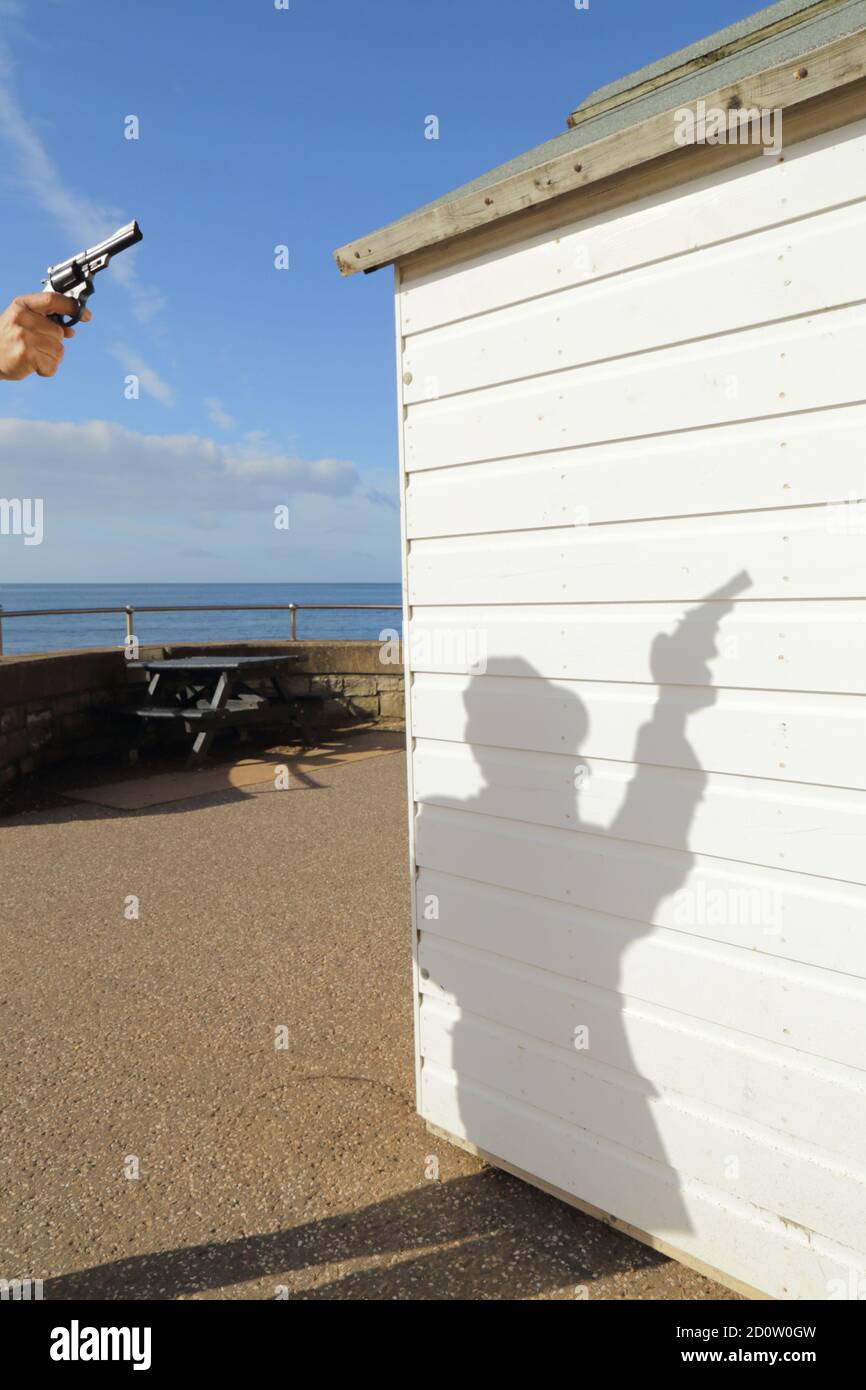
(68, 705)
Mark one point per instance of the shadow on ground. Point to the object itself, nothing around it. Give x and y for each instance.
(486, 1235)
(73, 789)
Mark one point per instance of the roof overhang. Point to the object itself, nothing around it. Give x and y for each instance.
(585, 162)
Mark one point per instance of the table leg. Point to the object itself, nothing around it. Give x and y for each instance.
(281, 686)
(203, 739)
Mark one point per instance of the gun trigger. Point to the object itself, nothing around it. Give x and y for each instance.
(81, 297)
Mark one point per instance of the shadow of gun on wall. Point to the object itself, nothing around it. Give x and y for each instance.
(658, 809)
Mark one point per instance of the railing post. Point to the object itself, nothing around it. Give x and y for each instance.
(1, 629)
(292, 628)
(129, 610)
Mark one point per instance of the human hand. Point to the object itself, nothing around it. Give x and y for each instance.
(29, 341)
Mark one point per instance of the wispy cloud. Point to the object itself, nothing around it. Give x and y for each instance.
(218, 414)
(149, 379)
(82, 220)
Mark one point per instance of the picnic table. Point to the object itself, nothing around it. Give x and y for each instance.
(209, 693)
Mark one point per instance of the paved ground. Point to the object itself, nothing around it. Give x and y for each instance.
(260, 1170)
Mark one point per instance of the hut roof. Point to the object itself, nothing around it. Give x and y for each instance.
(629, 122)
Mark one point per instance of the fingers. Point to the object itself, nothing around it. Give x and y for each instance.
(37, 325)
(46, 360)
(47, 302)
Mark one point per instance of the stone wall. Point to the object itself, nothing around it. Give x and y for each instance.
(58, 706)
(69, 705)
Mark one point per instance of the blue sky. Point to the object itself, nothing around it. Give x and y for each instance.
(259, 127)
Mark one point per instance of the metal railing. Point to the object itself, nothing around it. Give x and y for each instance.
(129, 610)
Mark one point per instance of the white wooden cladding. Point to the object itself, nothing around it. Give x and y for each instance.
(795, 916)
(799, 460)
(803, 364)
(703, 980)
(694, 1142)
(640, 799)
(816, 830)
(788, 271)
(690, 1216)
(791, 738)
(767, 646)
(799, 553)
(814, 176)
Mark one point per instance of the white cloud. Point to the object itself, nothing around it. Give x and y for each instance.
(218, 414)
(100, 467)
(120, 505)
(150, 380)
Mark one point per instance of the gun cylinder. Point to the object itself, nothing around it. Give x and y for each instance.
(64, 278)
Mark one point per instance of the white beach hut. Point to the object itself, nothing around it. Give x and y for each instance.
(632, 418)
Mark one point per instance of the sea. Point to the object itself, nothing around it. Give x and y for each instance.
(52, 634)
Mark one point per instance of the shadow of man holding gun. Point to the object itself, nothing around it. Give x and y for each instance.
(680, 665)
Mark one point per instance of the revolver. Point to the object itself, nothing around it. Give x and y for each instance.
(75, 276)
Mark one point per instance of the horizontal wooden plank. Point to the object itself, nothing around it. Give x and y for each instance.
(771, 646)
(792, 737)
(791, 554)
(812, 830)
(745, 1161)
(652, 1049)
(751, 992)
(795, 916)
(807, 364)
(805, 267)
(827, 69)
(750, 1244)
(815, 175)
(734, 468)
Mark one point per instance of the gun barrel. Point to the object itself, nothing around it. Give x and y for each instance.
(737, 585)
(120, 240)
